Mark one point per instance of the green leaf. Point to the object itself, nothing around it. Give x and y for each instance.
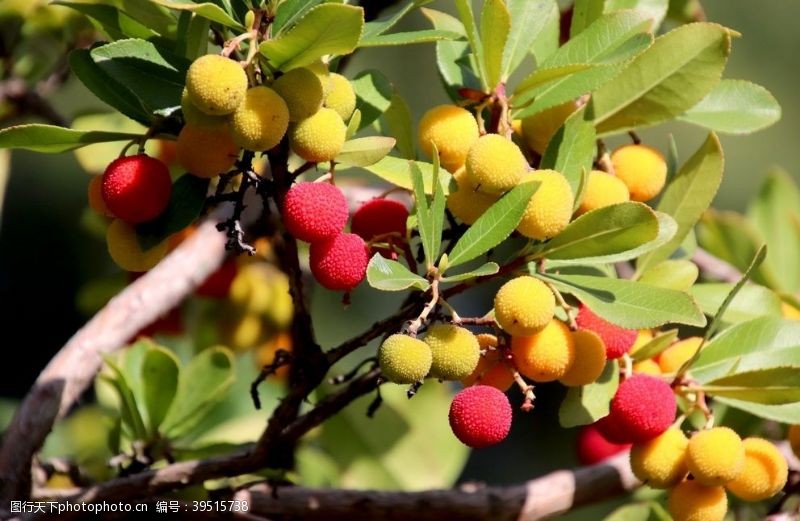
(452, 57)
(114, 22)
(325, 29)
(52, 139)
(159, 375)
(735, 107)
(105, 88)
(95, 158)
(207, 10)
(353, 124)
(629, 304)
(396, 171)
(674, 274)
(774, 386)
(365, 151)
(656, 346)
(408, 38)
(153, 75)
(541, 77)
(665, 81)
(528, 21)
(571, 150)
(197, 37)
(373, 95)
(490, 268)
(396, 122)
(649, 511)
(381, 26)
(775, 212)
(203, 383)
(584, 13)
(495, 26)
(185, 204)
(430, 219)
(389, 275)
(289, 11)
(656, 10)
(129, 408)
(587, 404)
(605, 231)
(494, 226)
(464, 8)
(688, 195)
(751, 302)
(546, 42)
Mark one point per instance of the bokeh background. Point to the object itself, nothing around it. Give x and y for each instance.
(47, 252)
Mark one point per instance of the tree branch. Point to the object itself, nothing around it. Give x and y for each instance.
(715, 267)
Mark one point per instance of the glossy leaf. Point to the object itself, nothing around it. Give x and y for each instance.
(656, 346)
(430, 216)
(587, 404)
(528, 23)
(290, 11)
(408, 38)
(374, 94)
(185, 204)
(494, 29)
(673, 274)
(114, 22)
(52, 139)
(571, 150)
(656, 10)
(774, 386)
(490, 268)
(467, 17)
(396, 171)
(207, 10)
(365, 151)
(751, 302)
(735, 107)
(453, 57)
(159, 376)
(396, 122)
(388, 275)
(380, 26)
(584, 13)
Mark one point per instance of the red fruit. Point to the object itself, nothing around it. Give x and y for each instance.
(643, 407)
(593, 447)
(379, 217)
(315, 211)
(339, 263)
(218, 284)
(480, 416)
(611, 430)
(618, 341)
(136, 188)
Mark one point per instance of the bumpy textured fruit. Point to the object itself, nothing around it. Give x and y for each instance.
(125, 251)
(612, 430)
(216, 84)
(379, 217)
(301, 89)
(590, 359)
(643, 337)
(260, 121)
(480, 416)
(453, 130)
(95, 196)
(320, 70)
(691, 501)
(550, 209)
(524, 305)
(661, 462)
(341, 97)
(643, 407)
(495, 164)
(197, 117)
(539, 129)
(455, 351)
(491, 369)
(315, 211)
(339, 263)
(404, 360)
(716, 456)
(547, 355)
(765, 471)
(318, 138)
(642, 169)
(593, 447)
(602, 189)
(206, 153)
(647, 367)
(618, 340)
(136, 188)
(672, 358)
(794, 439)
(465, 202)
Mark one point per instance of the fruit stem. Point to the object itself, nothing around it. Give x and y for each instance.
(527, 390)
(417, 323)
(569, 310)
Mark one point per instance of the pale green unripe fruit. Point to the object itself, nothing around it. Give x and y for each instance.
(404, 360)
(342, 97)
(455, 350)
(301, 89)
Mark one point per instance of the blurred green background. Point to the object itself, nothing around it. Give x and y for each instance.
(46, 253)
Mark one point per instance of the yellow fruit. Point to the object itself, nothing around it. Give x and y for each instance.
(216, 84)
(691, 501)
(453, 130)
(672, 358)
(642, 169)
(320, 70)
(495, 164)
(794, 439)
(95, 195)
(524, 305)
(547, 355)
(260, 121)
(715, 456)
(789, 311)
(540, 128)
(455, 351)
(404, 360)
(197, 117)
(602, 189)
(318, 138)
(491, 369)
(647, 367)
(550, 209)
(643, 337)
(301, 89)
(466, 203)
(341, 97)
(251, 289)
(661, 462)
(765, 471)
(265, 353)
(590, 359)
(127, 253)
(206, 153)
(244, 332)
(281, 309)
